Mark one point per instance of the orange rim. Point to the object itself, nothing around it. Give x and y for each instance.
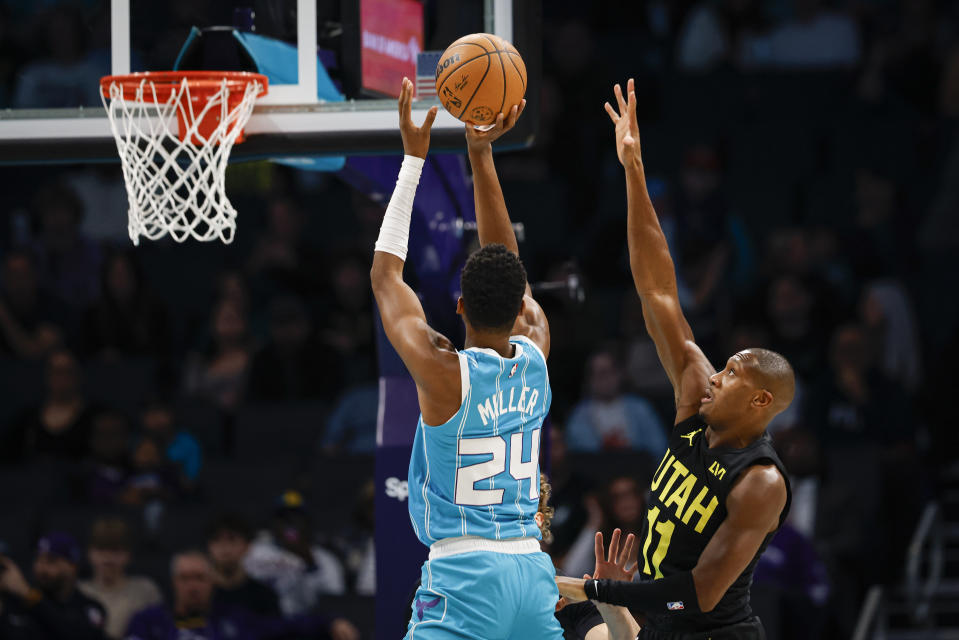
(201, 83)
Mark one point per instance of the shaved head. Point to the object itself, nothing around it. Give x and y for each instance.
(772, 372)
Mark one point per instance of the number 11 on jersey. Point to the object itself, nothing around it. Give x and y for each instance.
(665, 531)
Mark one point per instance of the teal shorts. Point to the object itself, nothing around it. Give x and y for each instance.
(486, 594)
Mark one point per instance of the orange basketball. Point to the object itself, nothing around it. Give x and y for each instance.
(480, 76)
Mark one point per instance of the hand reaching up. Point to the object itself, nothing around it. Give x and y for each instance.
(416, 140)
(626, 124)
(613, 566)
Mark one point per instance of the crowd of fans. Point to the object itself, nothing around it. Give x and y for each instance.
(852, 285)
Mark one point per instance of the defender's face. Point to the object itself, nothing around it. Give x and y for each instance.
(729, 392)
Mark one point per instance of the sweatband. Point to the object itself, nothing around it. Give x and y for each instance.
(675, 594)
(395, 231)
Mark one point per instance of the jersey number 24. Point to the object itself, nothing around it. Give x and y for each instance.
(467, 477)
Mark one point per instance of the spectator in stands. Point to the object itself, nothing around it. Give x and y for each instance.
(623, 507)
(352, 423)
(795, 326)
(54, 609)
(878, 244)
(570, 491)
(231, 287)
(792, 579)
(294, 364)
(108, 468)
(888, 317)
(355, 543)
(179, 446)
(121, 595)
(60, 426)
(197, 616)
(620, 505)
(220, 374)
(815, 38)
(29, 319)
(228, 541)
(609, 418)
(717, 33)
(68, 261)
(288, 559)
(152, 484)
(126, 320)
(349, 326)
(853, 404)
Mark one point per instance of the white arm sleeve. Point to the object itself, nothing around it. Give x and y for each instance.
(395, 231)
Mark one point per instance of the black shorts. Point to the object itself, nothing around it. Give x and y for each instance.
(750, 629)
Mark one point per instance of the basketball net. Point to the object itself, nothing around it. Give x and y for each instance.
(174, 134)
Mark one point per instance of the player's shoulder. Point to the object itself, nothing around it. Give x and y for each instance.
(529, 344)
(760, 485)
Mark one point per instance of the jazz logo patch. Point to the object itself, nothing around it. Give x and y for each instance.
(675, 606)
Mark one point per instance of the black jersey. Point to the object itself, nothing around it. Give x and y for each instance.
(687, 503)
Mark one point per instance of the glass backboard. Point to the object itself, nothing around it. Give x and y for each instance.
(340, 60)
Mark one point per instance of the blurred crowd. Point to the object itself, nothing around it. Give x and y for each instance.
(826, 233)
(134, 378)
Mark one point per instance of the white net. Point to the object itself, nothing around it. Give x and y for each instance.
(176, 180)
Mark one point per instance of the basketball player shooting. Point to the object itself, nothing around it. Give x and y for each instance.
(474, 470)
(720, 492)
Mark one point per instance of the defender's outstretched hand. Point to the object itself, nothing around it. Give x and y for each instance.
(627, 126)
(416, 140)
(614, 566)
(477, 139)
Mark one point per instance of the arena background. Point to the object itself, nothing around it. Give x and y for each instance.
(803, 157)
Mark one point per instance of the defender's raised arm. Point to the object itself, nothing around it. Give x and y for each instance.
(653, 271)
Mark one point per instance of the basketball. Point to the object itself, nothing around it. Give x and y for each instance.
(480, 76)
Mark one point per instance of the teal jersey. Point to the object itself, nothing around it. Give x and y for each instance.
(478, 474)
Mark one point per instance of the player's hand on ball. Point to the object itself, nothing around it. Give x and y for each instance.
(614, 566)
(627, 126)
(571, 588)
(416, 140)
(477, 139)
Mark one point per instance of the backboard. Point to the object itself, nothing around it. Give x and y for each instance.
(52, 111)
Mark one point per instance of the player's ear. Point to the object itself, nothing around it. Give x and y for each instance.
(762, 399)
(460, 311)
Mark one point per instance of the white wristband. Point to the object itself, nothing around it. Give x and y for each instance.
(395, 231)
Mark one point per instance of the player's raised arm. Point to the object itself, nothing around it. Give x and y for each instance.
(429, 356)
(653, 271)
(492, 217)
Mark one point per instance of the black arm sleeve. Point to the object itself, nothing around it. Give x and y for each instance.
(578, 618)
(675, 594)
